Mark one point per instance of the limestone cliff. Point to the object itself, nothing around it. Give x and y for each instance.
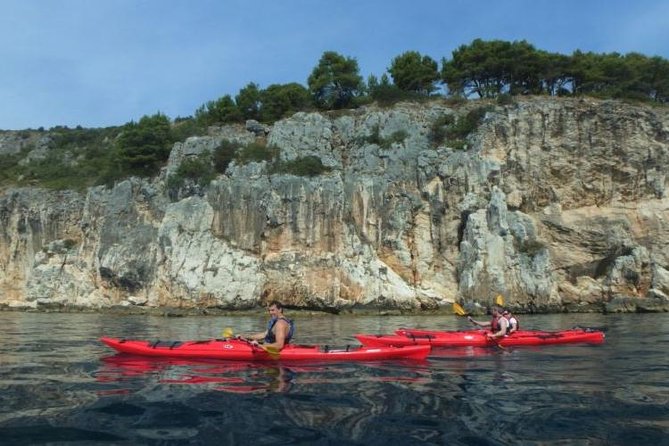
(557, 204)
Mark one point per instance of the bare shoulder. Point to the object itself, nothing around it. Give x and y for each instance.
(282, 323)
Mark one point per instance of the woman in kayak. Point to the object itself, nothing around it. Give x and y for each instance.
(513, 322)
(498, 324)
(279, 329)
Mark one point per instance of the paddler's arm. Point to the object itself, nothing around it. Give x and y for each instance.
(480, 324)
(503, 324)
(254, 336)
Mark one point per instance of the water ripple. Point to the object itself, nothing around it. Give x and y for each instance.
(59, 385)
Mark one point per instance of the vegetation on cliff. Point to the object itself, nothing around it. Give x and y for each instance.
(76, 158)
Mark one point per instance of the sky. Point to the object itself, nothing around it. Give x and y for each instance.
(100, 63)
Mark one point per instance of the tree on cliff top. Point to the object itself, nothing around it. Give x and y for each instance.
(488, 68)
(335, 81)
(413, 72)
(279, 100)
(143, 147)
(223, 109)
(249, 102)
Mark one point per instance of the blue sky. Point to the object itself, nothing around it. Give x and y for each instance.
(99, 63)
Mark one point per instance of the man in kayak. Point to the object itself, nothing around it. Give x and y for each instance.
(279, 329)
(513, 322)
(498, 324)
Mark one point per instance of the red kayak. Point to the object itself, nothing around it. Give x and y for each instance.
(477, 338)
(240, 350)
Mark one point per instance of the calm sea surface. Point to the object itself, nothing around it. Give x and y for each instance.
(59, 385)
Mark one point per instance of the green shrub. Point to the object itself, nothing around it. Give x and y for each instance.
(374, 137)
(256, 152)
(457, 144)
(69, 243)
(184, 128)
(454, 132)
(361, 101)
(438, 129)
(9, 168)
(53, 173)
(223, 155)
(385, 143)
(306, 166)
(224, 109)
(75, 159)
(386, 93)
(143, 147)
(505, 99)
(466, 124)
(386, 96)
(280, 100)
(198, 170)
(455, 99)
(228, 151)
(397, 137)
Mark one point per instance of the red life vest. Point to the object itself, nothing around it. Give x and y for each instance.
(494, 324)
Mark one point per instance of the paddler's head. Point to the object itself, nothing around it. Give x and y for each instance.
(275, 309)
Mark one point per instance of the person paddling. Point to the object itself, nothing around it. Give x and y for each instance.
(498, 324)
(279, 329)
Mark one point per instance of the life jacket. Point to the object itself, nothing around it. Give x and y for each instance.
(494, 324)
(515, 319)
(269, 336)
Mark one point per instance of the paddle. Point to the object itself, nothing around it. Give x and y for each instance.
(457, 309)
(273, 352)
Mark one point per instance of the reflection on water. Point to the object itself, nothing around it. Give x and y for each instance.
(246, 377)
(58, 384)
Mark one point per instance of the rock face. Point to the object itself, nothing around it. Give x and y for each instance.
(557, 204)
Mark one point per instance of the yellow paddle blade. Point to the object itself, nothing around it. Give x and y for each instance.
(227, 332)
(499, 300)
(272, 351)
(457, 309)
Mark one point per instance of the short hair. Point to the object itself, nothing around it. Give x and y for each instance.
(277, 304)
